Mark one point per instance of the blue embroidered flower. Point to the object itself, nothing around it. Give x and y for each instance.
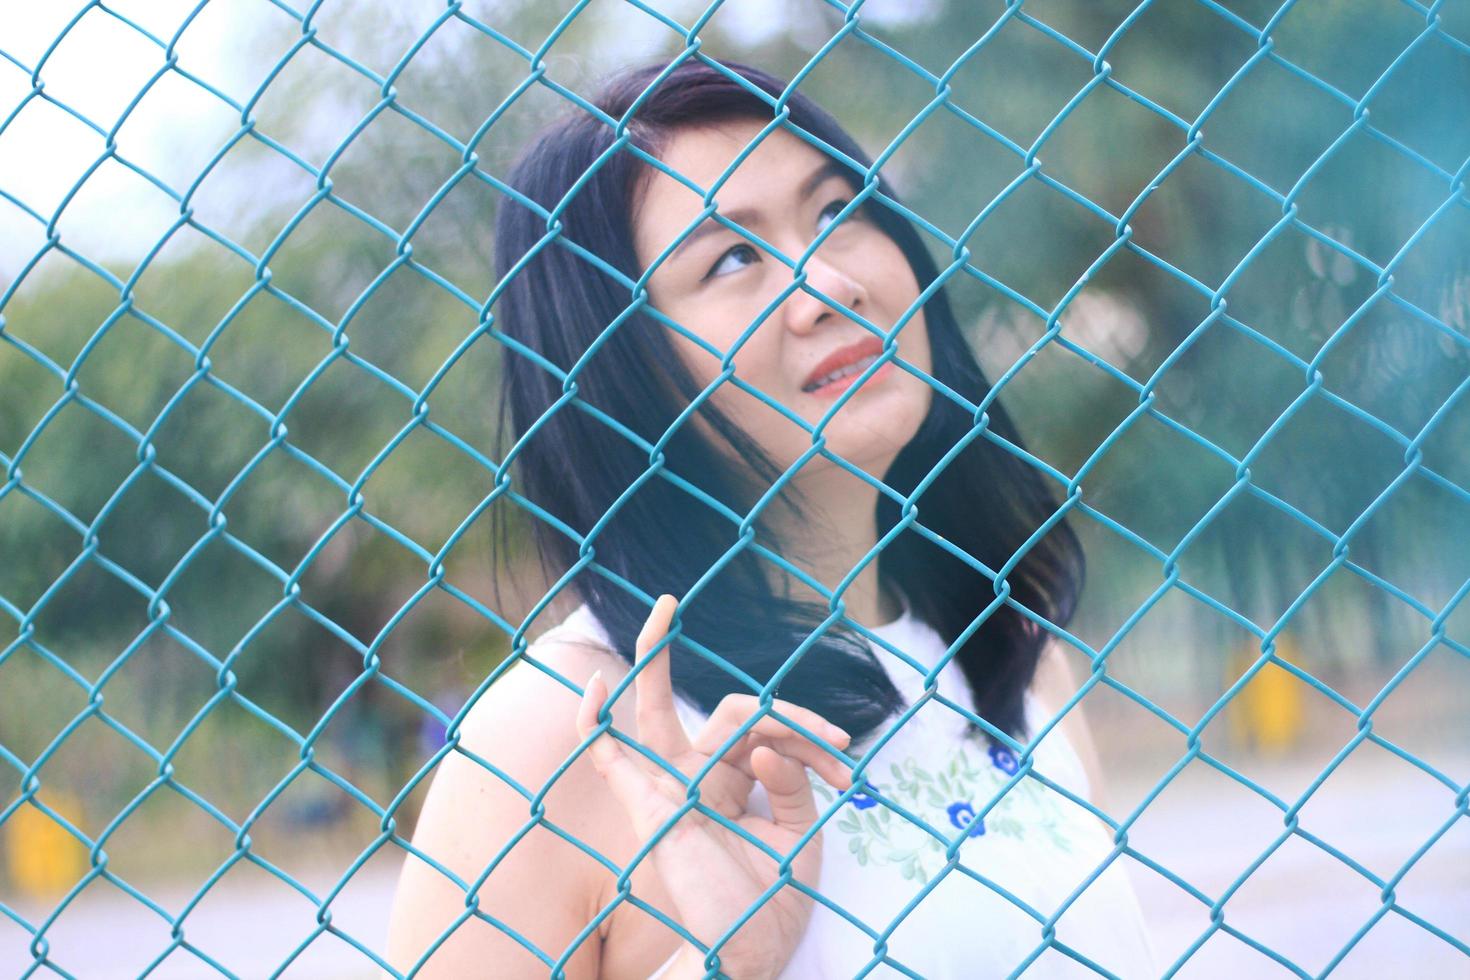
(1005, 760)
(962, 813)
(862, 801)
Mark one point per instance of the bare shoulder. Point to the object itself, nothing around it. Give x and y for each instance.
(478, 822)
(527, 718)
(1056, 682)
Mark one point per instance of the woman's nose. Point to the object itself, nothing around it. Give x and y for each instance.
(804, 310)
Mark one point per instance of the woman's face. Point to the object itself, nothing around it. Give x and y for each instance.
(716, 284)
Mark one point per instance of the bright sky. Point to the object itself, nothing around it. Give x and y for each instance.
(102, 64)
(97, 70)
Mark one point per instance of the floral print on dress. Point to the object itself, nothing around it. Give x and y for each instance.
(1004, 759)
(948, 799)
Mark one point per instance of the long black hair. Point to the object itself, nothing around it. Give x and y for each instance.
(622, 494)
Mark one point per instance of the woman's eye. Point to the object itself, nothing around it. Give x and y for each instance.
(730, 261)
(833, 208)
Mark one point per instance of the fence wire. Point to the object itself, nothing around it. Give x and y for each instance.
(56, 546)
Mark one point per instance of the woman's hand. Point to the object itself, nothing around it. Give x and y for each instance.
(712, 875)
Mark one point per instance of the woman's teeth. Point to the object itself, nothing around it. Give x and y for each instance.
(851, 369)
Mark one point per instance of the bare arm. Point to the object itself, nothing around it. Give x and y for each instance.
(1054, 685)
(544, 888)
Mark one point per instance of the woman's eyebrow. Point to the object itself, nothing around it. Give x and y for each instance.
(741, 216)
(821, 175)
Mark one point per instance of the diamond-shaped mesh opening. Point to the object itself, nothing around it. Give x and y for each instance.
(1195, 432)
(1144, 659)
(279, 187)
(423, 162)
(40, 701)
(1394, 367)
(275, 651)
(1131, 486)
(1232, 412)
(1319, 44)
(1091, 325)
(1357, 901)
(1322, 437)
(168, 846)
(208, 438)
(1301, 290)
(110, 374)
(98, 42)
(192, 254)
(896, 93)
(64, 148)
(280, 508)
(60, 328)
(1431, 276)
(268, 348)
(150, 528)
(338, 584)
(1246, 530)
(948, 132)
(1240, 216)
(28, 528)
(157, 689)
(980, 88)
(409, 326)
(346, 393)
(61, 627)
(1245, 129)
(1410, 193)
(335, 96)
(148, 216)
(1015, 242)
(228, 745)
(1269, 707)
(1108, 148)
(1426, 523)
(1135, 57)
(91, 774)
(298, 250)
(177, 163)
(196, 610)
(73, 438)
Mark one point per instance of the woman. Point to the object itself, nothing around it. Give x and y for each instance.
(721, 448)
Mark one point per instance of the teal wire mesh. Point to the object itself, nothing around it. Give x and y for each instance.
(223, 562)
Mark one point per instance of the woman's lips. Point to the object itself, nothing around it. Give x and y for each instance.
(832, 389)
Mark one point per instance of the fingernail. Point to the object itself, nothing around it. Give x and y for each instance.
(596, 674)
(838, 733)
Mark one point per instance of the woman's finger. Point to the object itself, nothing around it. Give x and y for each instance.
(734, 709)
(793, 805)
(716, 730)
(627, 780)
(658, 724)
(832, 769)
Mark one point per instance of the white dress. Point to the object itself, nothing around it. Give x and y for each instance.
(1034, 844)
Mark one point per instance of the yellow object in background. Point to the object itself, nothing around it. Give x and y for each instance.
(43, 858)
(1267, 714)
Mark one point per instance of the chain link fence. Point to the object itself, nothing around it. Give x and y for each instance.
(1213, 256)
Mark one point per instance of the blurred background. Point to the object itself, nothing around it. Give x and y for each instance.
(171, 281)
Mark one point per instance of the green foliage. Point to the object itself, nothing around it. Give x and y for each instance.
(261, 405)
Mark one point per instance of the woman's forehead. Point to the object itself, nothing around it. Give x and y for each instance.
(769, 174)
